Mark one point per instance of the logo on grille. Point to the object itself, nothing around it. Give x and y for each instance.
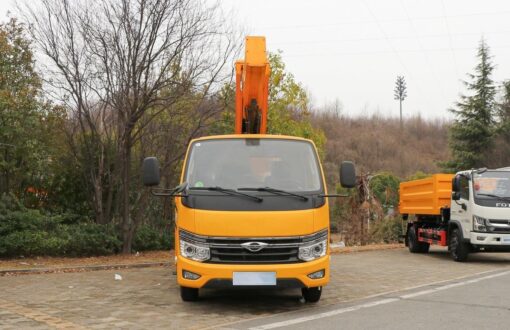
(254, 246)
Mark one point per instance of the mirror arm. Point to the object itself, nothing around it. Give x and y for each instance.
(166, 192)
(333, 195)
(462, 205)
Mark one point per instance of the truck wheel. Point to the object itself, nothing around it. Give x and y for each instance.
(414, 245)
(189, 294)
(458, 249)
(312, 295)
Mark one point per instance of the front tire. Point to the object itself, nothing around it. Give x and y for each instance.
(458, 249)
(414, 245)
(189, 294)
(312, 295)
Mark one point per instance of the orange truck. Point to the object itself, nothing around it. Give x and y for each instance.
(252, 209)
(467, 212)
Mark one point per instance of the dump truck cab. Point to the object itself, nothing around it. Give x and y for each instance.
(481, 208)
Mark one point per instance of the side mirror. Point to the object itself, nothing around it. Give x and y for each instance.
(456, 183)
(347, 174)
(150, 171)
(455, 195)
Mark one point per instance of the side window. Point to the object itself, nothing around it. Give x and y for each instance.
(464, 188)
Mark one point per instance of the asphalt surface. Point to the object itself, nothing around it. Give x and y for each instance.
(477, 302)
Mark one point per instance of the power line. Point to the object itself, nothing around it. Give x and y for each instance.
(450, 41)
(397, 55)
(391, 51)
(385, 36)
(331, 40)
(424, 52)
(393, 20)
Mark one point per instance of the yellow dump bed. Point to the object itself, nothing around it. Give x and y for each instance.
(426, 196)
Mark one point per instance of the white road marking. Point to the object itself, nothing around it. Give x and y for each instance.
(374, 303)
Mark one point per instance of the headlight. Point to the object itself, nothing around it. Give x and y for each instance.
(480, 224)
(194, 251)
(313, 251)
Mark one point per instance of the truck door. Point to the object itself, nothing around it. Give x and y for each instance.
(463, 214)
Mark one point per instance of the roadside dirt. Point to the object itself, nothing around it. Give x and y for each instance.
(53, 262)
(364, 248)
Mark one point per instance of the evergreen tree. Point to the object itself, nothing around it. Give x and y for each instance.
(499, 156)
(504, 113)
(471, 134)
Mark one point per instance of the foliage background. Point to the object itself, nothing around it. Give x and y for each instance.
(60, 184)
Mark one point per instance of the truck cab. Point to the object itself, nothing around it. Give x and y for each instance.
(251, 211)
(252, 208)
(481, 209)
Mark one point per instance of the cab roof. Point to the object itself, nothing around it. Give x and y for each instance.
(251, 136)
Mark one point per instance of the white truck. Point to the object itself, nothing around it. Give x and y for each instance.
(467, 212)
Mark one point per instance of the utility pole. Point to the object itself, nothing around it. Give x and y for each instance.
(400, 95)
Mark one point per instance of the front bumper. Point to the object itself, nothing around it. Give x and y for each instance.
(220, 275)
(490, 239)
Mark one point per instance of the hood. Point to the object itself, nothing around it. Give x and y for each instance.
(254, 224)
(499, 213)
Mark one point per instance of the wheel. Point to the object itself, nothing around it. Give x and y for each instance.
(458, 249)
(414, 245)
(312, 295)
(189, 294)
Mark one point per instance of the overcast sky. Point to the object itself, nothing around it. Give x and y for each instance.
(352, 51)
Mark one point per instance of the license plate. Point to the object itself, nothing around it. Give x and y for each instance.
(506, 240)
(254, 278)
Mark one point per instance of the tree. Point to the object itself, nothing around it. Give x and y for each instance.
(497, 158)
(503, 112)
(289, 105)
(471, 134)
(400, 94)
(116, 66)
(385, 187)
(23, 117)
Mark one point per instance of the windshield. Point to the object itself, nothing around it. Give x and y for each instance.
(491, 183)
(235, 163)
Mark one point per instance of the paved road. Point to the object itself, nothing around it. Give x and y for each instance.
(478, 302)
(148, 298)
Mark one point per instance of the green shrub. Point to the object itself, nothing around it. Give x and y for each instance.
(149, 238)
(85, 239)
(387, 230)
(27, 232)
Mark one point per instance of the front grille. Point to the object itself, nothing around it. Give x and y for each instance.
(228, 250)
(500, 226)
(231, 251)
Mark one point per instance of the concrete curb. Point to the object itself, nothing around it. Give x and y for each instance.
(78, 268)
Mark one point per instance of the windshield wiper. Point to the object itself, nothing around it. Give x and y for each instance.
(275, 191)
(228, 191)
(505, 198)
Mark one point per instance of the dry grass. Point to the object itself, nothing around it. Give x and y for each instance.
(53, 262)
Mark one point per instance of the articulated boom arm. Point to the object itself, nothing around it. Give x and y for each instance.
(252, 80)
